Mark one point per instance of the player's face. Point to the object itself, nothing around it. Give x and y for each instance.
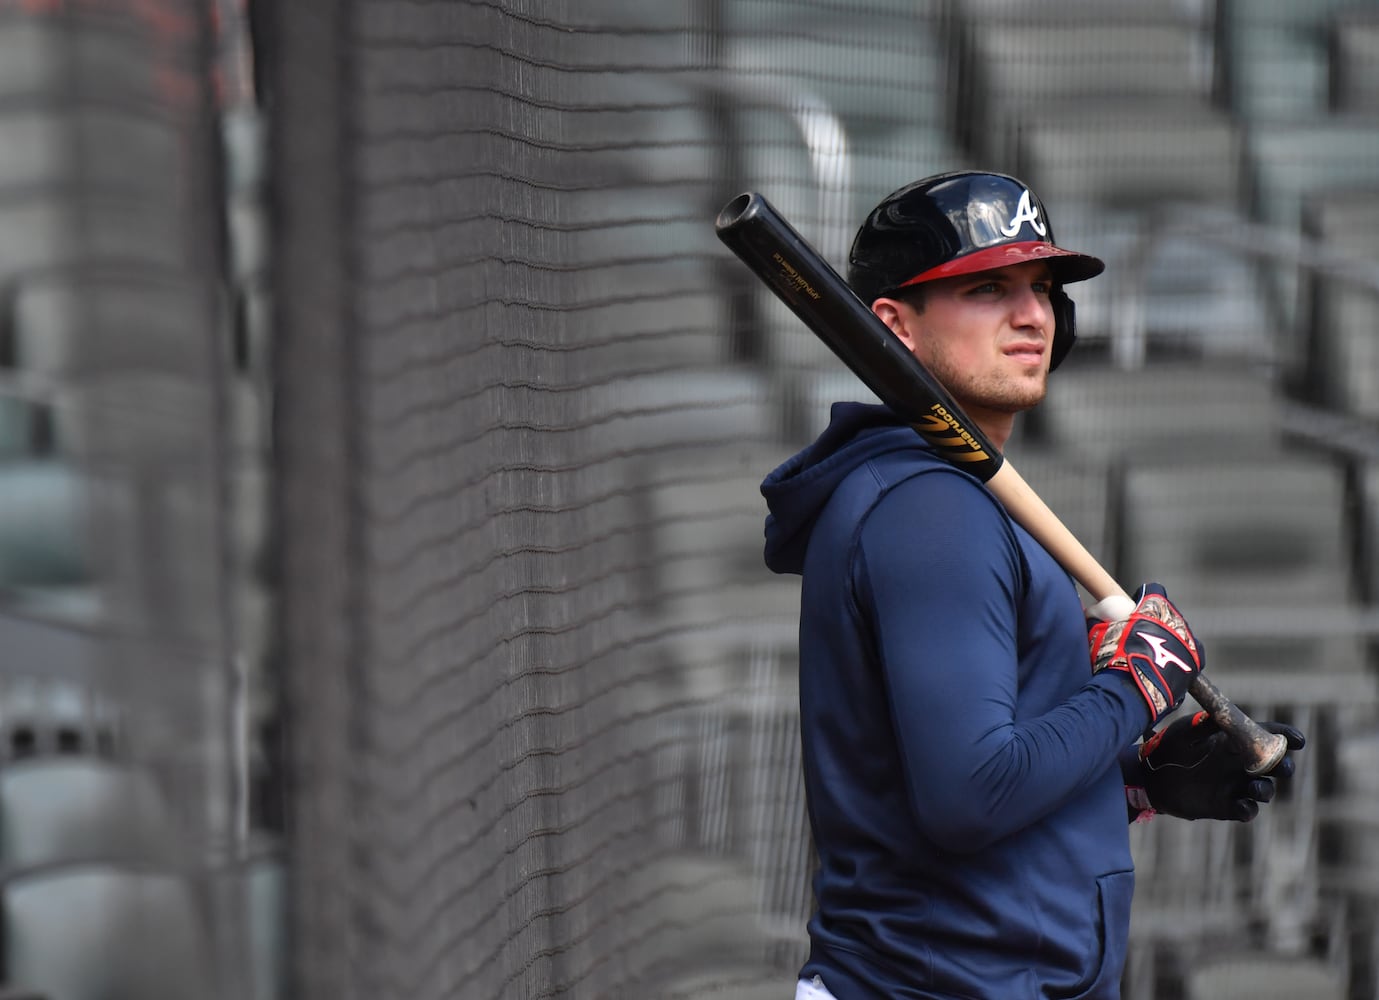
(986, 336)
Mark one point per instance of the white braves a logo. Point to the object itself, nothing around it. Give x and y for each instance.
(1162, 657)
(1025, 212)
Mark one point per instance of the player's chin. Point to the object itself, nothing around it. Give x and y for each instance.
(1018, 394)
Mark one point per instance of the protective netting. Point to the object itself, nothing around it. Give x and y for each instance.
(539, 686)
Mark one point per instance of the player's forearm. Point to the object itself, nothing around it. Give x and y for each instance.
(993, 778)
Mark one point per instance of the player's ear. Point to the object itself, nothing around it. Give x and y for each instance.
(892, 313)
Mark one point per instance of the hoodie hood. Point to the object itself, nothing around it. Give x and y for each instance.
(798, 489)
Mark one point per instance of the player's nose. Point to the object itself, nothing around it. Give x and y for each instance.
(1031, 309)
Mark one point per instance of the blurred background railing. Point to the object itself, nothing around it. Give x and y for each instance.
(380, 431)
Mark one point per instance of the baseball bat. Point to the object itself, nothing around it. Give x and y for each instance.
(778, 255)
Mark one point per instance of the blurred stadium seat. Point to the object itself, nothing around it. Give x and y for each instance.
(703, 551)
(1297, 159)
(69, 808)
(1275, 56)
(1077, 489)
(39, 56)
(1184, 409)
(81, 325)
(1368, 552)
(21, 420)
(651, 302)
(43, 714)
(106, 932)
(1341, 327)
(1354, 59)
(1106, 173)
(823, 138)
(1261, 574)
(902, 82)
(48, 229)
(1294, 159)
(1206, 891)
(112, 152)
(716, 943)
(1021, 60)
(1261, 975)
(43, 526)
(1125, 158)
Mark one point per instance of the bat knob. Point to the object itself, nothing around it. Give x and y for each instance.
(1112, 609)
(1269, 753)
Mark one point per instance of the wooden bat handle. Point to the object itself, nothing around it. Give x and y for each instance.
(1263, 750)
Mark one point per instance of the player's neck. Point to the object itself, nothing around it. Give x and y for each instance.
(997, 426)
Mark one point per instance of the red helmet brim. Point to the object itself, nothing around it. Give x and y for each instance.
(1068, 265)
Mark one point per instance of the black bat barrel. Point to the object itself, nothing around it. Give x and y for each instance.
(797, 274)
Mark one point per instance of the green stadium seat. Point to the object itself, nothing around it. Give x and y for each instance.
(810, 395)
(265, 885)
(692, 911)
(1076, 488)
(1292, 161)
(43, 56)
(688, 409)
(243, 131)
(1121, 157)
(1343, 319)
(824, 195)
(1187, 409)
(19, 426)
(1107, 173)
(705, 521)
(765, 16)
(55, 229)
(1022, 60)
(1209, 894)
(649, 298)
(1354, 60)
(1368, 486)
(44, 539)
(111, 152)
(872, 73)
(1266, 531)
(139, 415)
(60, 809)
(1274, 56)
(1266, 976)
(47, 714)
(105, 932)
(78, 325)
(1259, 552)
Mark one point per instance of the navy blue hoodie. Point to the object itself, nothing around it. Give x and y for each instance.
(960, 757)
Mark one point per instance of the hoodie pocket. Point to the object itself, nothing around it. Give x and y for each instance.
(1114, 894)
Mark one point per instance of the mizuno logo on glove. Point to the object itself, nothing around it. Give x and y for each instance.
(1164, 657)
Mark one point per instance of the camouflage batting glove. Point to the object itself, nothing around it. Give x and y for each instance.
(1154, 648)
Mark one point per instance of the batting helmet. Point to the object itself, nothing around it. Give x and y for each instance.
(958, 223)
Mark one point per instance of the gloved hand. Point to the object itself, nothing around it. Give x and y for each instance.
(1153, 647)
(1192, 770)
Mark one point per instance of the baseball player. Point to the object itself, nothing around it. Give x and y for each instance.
(970, 778)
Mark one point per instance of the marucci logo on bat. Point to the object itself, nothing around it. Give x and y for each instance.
(794, 279)
(943, 420)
